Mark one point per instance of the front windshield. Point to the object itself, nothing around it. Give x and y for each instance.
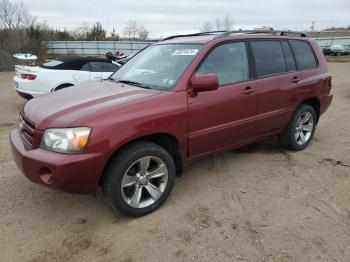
(158, 66)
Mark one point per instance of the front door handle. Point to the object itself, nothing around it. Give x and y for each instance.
(248, 90)
(295, 79)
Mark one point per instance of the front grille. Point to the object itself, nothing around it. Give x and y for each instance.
(26, 129)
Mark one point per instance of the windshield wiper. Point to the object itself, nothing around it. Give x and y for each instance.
(134, 83)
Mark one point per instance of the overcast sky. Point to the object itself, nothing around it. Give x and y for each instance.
(163, 16)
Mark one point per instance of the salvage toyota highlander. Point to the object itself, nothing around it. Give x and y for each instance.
(178, 100)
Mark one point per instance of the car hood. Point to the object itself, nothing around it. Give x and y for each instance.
(63, 107)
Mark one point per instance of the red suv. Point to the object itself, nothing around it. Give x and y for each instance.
(178, 100)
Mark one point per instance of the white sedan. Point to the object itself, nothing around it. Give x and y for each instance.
(31, 81)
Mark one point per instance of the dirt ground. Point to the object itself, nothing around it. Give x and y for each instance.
(259, 203)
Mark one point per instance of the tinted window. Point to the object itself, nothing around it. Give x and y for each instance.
(95, 66)
(269, 58)
(109, 67)
(85, 67)
(303, 54)
(288, 55)
(229, 62)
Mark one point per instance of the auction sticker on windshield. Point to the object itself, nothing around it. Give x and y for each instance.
(185, 52)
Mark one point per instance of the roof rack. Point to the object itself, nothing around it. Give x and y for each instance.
(195, 34)
(272, 32)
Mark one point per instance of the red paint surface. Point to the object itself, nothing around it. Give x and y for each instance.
(202, 123)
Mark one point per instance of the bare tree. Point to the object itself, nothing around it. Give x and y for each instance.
(217, 24)
(207, 27)
(114, 35)
(96, 32)
(227, 22)
(131, 29)
(80, 33)
(143, 32)
(13, 15)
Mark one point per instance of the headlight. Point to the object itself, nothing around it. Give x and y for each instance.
(66, 140)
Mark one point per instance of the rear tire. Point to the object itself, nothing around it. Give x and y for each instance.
(301, 128)
(139, 179)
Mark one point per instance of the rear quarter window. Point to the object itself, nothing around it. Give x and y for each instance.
(269, 57)
(304, 54)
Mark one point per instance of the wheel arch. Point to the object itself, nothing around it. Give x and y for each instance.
(168, 141)
(61, 86)
(315, 103)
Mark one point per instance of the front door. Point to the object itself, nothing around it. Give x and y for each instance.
(225, 117)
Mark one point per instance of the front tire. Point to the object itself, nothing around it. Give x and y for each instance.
(139, 179)
(300, 129)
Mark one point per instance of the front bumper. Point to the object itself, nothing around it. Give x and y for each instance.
(79, 173)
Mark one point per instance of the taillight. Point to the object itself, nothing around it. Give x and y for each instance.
(28, 76)
(328, 84)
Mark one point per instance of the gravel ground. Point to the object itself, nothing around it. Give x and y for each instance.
(258, 203)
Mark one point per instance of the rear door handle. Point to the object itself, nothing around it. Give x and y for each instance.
(248, 90)
(295, 79)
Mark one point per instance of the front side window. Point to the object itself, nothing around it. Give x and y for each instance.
(229, 62)
(158, 66)
(303, 54)
(269, 58)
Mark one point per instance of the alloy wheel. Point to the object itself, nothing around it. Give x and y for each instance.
(144, 182)
(304, 128)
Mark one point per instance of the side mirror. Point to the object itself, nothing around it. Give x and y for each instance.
(203, 83)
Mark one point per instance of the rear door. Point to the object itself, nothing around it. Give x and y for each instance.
(277, 84)
(224, 117)
(310, 72)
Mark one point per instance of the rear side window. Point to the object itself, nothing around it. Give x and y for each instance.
(109, 67)
(269, 58)
(95, 66)
(288, 55)
(229, 62)
(304, 55)
(85, 67)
